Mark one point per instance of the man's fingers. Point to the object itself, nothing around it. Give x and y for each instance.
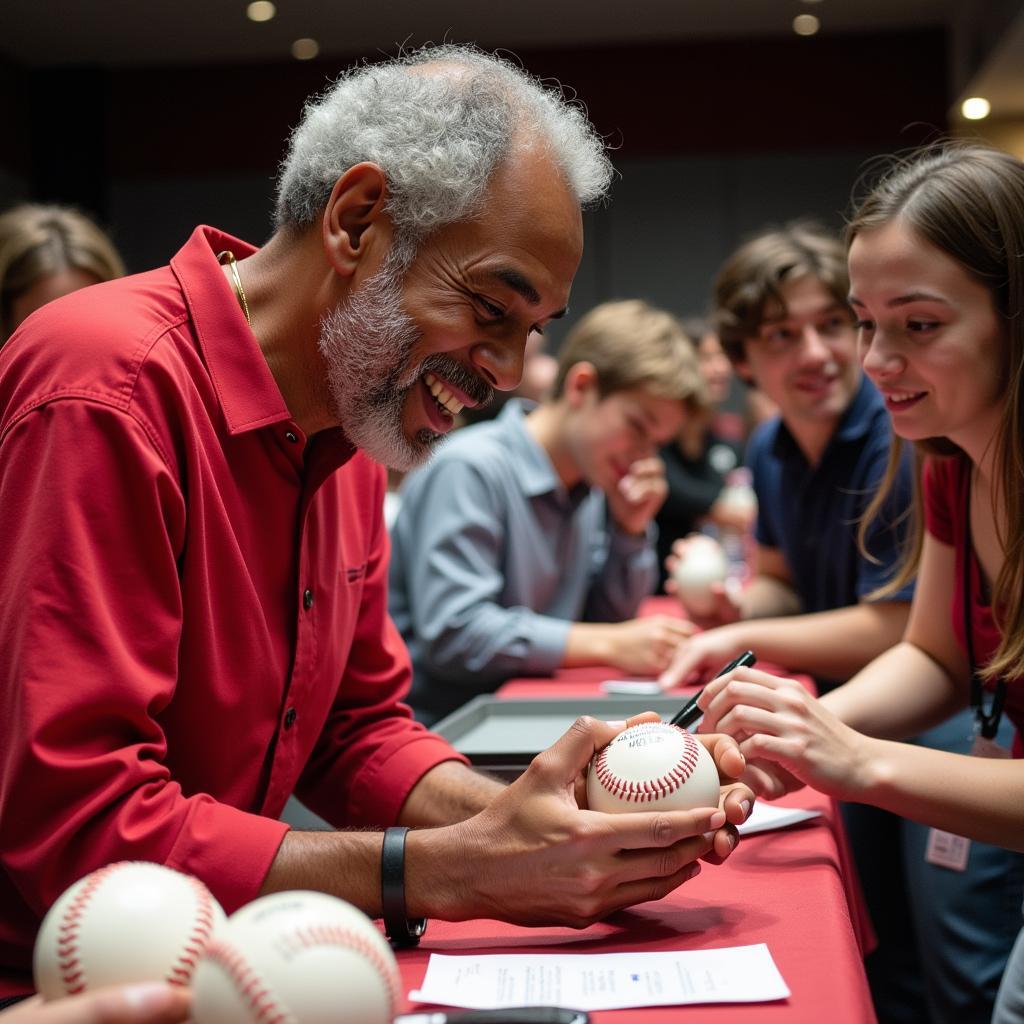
(648, 890)
(725, 751)
(726, 839)
(570, 754)
(638, 830)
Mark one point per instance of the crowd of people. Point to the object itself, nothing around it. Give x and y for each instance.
(194, 464)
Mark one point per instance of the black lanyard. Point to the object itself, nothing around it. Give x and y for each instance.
(986, 722)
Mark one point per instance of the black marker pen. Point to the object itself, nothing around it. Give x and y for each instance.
(690, 712)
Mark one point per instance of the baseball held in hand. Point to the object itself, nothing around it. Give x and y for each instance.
(126, 922)
(702, 563)
(652, 767)
(297, 957)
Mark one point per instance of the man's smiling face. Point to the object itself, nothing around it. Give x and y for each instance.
(405, 352)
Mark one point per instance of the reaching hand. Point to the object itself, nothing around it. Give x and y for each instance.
(788, 738)
(698, 658)
(639, 495)
(725, 595)
(148, 1003)
(537, 855)
(646, 646)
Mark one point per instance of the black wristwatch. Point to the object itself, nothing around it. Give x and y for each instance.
(401, 930)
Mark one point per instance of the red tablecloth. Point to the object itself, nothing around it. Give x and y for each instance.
(792, 889)
(784, 888)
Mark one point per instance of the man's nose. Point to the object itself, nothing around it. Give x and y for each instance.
(813, 345)
(499, 360)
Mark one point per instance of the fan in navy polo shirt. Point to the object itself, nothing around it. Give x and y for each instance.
(783, 319)
(810, 511)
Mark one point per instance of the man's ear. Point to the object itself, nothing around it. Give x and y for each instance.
(580, 381)
(355, 222)
(741, 367)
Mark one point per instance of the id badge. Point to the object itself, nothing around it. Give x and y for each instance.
(947, 850)
(982, 747)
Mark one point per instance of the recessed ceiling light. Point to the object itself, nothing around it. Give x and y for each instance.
(260, 10)
(305, 49)
(806, 24)
(976, 108)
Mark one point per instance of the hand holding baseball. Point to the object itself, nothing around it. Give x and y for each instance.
(697, 574)
(537, 856)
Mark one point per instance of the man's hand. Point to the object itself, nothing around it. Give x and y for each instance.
(537, 855)
(146, 1003)
(726, 595)
(639, 495)
(646, 646)
(697, 659)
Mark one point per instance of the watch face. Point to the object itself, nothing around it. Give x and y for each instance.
(406, 932)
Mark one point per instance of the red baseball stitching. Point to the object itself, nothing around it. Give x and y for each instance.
(650, 789)
(262, 1004)
(180, 972)
(72, 970)
(257, 996)
(335, 935)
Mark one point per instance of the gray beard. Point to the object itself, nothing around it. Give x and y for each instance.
(367, 346)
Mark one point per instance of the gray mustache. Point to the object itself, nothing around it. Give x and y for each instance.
(474, 386)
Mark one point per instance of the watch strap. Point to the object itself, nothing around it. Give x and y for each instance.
(399, 928)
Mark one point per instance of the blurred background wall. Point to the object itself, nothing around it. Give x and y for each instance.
(158, 116)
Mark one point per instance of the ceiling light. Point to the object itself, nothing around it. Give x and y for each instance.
(305, 49)
(806, 24)
(976, 108)
(260, 10)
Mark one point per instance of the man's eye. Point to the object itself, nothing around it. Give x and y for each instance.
(834, 324)
(864, 325)
(493, 311)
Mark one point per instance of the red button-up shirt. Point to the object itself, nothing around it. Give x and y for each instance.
(193, 607)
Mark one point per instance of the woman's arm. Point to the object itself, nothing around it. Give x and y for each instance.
(921, 681)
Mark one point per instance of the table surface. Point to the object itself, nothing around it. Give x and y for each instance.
(792, 889)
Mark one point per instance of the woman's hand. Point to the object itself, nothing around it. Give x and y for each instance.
(787, 737)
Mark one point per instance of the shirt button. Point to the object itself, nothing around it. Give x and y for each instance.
(289, 717)
(307, 599)
(292, 436)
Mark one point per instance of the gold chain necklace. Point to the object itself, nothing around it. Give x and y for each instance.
(228, 257)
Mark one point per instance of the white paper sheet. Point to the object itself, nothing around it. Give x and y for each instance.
(633, 687)
(603, 981)
(768, 816)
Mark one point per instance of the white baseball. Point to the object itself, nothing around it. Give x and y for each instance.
(652, 766)
(297, 958)
(703, 563)
(128, 921)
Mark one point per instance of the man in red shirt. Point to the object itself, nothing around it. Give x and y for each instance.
(193, 613)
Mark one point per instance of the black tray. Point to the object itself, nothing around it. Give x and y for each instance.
(503, 736)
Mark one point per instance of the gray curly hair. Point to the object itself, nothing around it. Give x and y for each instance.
(437, 137)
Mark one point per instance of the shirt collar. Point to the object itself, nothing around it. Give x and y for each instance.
(855, 423)
(861, 412)
(248, 392)
(531, 463)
